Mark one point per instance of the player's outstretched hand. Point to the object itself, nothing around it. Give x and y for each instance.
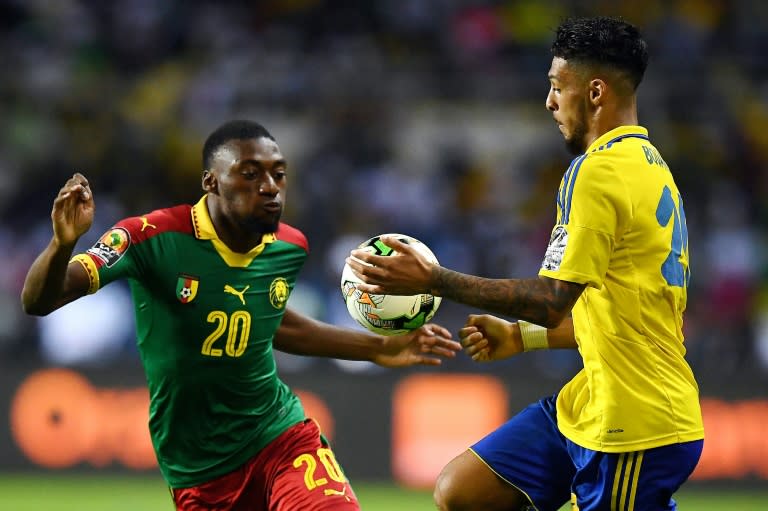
(408, 273)
(424, 346)
(73, 209)
(486, 338)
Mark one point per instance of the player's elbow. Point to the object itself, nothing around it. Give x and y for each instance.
(34, 307)
(35, 310)
(561, 297)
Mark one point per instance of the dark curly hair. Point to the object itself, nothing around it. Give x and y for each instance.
(232, 130)
(603, 41)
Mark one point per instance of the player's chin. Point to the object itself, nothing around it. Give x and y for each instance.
(265, 223)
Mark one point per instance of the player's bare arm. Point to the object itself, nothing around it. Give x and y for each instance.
(51, 281)
(486, 338)
(539, 300)
(301, 335)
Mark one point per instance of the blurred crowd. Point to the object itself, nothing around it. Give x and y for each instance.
(418, 116)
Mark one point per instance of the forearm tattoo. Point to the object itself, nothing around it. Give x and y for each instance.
(538, 300)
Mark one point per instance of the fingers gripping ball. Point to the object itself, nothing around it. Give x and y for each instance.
(388, 314)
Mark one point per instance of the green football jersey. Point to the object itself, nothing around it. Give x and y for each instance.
(205, 320)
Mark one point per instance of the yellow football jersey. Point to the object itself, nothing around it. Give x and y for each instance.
(621, 231)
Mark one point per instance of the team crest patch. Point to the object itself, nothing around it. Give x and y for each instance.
(278, 292)
(111, 247)
(186, 288)
(555, 250)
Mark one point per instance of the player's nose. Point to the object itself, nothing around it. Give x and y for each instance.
(549, 103)
(268, 186)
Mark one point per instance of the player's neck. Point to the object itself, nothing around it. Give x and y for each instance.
(236, 238)
(606, 120)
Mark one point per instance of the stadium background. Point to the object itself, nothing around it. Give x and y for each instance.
(418, 116)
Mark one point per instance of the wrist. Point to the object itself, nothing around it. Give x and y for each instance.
(533, 337)
(433, 285)
(380, 348)
(60, 245)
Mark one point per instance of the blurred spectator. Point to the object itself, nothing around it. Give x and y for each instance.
(424, 117)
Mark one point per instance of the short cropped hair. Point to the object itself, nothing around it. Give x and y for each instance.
(603, 41)
(232, 130)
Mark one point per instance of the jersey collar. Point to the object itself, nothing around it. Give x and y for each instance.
(616, 134)
(204, 230)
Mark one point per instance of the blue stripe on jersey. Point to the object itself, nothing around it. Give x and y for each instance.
(569, 180)
(575, 173)
(561, 194)
(619, 139)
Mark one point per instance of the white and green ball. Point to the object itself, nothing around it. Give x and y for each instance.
(388, 314)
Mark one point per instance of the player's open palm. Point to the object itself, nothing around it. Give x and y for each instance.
(426, 345)
(485, 338)
(73, 210)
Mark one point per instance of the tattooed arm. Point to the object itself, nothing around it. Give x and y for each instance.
(539, 300)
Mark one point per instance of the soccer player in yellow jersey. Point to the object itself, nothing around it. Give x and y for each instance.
(626, 431)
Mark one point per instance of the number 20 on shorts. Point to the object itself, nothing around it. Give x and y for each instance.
(309, 462)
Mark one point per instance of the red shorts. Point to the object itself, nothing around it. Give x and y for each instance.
(297, 471)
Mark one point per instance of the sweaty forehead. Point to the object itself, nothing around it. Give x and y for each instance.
(259, 149)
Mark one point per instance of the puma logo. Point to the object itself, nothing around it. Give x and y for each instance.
(330, 491)
(145, 223)
(231, 290)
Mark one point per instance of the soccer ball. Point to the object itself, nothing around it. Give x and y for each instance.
(388, 314)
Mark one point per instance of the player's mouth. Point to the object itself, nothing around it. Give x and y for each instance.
(273, 207)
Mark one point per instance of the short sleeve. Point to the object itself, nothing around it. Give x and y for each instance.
(111, 257)
(594, 210)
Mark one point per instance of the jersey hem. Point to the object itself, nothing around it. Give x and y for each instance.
(568, 276)
(234, 463)
(674, 438)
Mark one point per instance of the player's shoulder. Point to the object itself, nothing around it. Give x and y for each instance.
(290, 234)
(618, 150)
(595, 175)
(173, 219)
(601, 163)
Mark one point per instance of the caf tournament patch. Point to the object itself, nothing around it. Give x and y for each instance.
(111, 247)
(555, 250)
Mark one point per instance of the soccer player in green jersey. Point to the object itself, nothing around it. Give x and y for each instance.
(627, 430)
(210, 283)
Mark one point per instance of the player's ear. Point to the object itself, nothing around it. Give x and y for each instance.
(596, 91)
(210, 185)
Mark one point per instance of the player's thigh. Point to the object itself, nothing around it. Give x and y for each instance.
(640, 480)
(524, 460)
(467, 483)
(308, 476)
